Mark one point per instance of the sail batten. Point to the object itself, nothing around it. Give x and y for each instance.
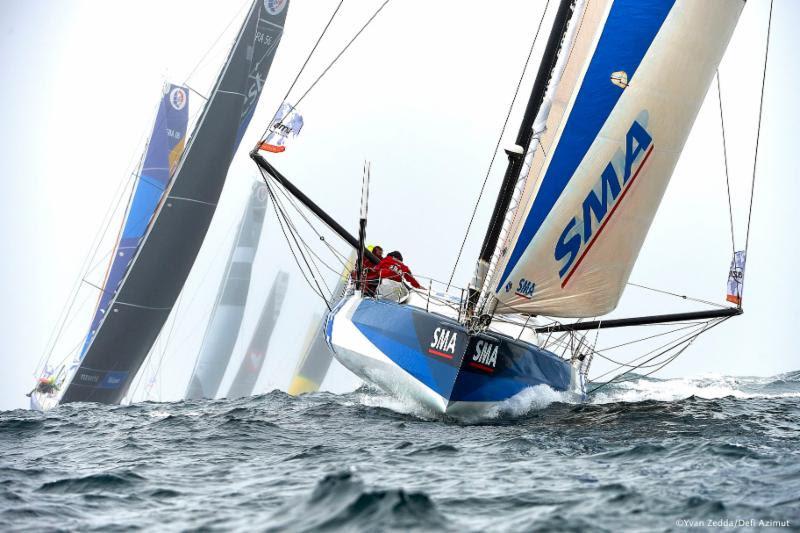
(622, 113)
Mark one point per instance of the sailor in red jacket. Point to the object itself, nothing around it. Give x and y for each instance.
(392, 267)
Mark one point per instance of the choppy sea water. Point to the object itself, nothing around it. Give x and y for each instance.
(645, 455)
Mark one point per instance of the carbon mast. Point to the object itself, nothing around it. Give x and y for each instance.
(516, 154)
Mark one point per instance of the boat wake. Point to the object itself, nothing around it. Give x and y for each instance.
(638, 389)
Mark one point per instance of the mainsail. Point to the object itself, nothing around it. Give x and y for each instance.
(226, 316)
(155, 277)
(633, 80)
(161, 156)
(250, 368)
(317, 355)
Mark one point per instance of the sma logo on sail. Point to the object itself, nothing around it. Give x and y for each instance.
(577, 236)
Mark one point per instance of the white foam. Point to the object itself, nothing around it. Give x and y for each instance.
(708, 386)
(530, 399)
(376, 398)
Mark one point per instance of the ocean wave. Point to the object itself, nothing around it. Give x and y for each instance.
(342, 500)
(105, 481)
(709, 387)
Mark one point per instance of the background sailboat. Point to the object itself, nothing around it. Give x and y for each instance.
(246, 377)
(223, 325)
(151, 286)
(316, 357)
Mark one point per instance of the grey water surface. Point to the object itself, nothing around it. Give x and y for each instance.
(644, 455)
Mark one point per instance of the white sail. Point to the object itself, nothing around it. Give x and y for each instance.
(635, 76)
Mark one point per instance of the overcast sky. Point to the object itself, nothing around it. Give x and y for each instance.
(423, 95)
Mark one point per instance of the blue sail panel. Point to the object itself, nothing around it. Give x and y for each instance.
(163, 152)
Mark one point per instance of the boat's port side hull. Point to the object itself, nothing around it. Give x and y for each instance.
(433, 360)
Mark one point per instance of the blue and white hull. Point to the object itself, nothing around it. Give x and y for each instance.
(432, 360)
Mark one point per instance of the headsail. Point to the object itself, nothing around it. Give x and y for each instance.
(226, 316)
(156, 276)
(250, 368)
(317, 355)
(161, 157)
(634, 79)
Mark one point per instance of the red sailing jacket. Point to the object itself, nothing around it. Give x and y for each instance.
(391, 268)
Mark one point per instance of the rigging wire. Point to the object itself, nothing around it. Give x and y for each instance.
(497, 146)
(280, 216)
(682, 296)
(296, 233)
(758, 131)
(308, 58)
(687, 343)
(333, 62)
(339, 55)
(725, 159)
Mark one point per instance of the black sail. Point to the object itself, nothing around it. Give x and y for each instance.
(250, 368)
(157, 274)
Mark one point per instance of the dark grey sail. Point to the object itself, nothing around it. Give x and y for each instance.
(317, 356)
(250, 367)
(226, 317)
(157, 274)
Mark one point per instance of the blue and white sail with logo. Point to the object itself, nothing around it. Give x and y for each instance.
(163, 152)
(636, 76)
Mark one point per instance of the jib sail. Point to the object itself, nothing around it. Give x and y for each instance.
(250, 368)
(148, 292)
(635, 76)
(226, 316)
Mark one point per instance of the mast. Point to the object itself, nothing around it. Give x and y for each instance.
(516, 154)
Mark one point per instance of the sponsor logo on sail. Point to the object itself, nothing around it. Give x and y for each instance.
(525, 288)
(443, 343)
(274, 7)
(177, 98)
(485, 356)
(599, 206)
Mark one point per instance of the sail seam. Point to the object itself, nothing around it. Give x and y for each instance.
(191, 200)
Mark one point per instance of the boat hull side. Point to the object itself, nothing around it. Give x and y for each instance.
(434, 361)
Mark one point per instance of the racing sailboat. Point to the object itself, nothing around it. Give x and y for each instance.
(317, 356)
(162, 153)
(140, 304)
(617, 91)
(226, 316)
(246, 377)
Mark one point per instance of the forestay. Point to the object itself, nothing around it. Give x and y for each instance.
(635, 76)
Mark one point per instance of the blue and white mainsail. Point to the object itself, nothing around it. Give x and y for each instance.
(161, 156)
(635, 75)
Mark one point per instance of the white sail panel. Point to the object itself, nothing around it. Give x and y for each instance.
(595, 188)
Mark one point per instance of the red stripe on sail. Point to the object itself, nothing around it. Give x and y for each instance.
(610, 214)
